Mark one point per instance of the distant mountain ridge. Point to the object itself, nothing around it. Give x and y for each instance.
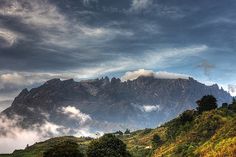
(108, 105)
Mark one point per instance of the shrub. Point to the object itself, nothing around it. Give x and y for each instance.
(64, 149)
(107, 146)
(146, 131)
(140, 152)
(187, 116)
(233, 105)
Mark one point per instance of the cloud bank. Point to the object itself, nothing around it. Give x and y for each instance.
(132, 75)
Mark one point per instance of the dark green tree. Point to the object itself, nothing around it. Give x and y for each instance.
(234, 100)
(107, 146)
(225, 105)
(64, 149)
(206, 103)
(233, 105)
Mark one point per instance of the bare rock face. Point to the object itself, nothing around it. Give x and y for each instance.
(144, 102)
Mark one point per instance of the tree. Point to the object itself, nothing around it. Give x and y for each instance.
(206, 103)
(64, 149)
(234, 100)
(107, 146)
(233, 105)
(156, 141)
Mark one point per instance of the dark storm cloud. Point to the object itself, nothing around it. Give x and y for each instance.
(63, 35)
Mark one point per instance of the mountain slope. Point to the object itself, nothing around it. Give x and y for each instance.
(108, 105)
(210, 134)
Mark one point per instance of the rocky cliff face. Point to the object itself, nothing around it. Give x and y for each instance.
(108, 105)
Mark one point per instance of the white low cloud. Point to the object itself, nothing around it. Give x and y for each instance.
(160, 75)
(13, 137)
(232, 89)
(13, 78)
(76, 114)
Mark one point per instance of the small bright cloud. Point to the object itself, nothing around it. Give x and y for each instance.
(76, 114)
(151, 108)
(147, 107)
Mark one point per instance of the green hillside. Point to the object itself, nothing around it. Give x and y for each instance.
(39, 148)
(210, 133)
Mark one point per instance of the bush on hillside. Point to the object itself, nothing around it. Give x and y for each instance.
(64, 149)
(187, 116)
(107, 146)
(146, 131)
(156, 141)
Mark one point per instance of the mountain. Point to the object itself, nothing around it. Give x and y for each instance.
(209, 134)
(107, 105)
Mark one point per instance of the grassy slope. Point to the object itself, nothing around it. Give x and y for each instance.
(212, 133)
(37, 149)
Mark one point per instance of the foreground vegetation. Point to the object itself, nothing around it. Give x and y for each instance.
(208, 131)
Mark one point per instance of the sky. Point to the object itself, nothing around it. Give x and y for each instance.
(84, 39)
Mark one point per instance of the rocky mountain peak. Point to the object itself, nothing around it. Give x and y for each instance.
(53, 81)
(143, 102)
